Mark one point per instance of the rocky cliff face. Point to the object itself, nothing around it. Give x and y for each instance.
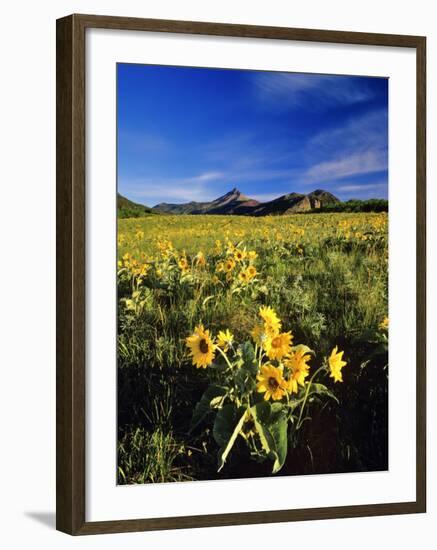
(304, 205)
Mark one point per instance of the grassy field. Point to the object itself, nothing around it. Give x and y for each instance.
(326, 277)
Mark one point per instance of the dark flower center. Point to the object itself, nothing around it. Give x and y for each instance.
(203, 346)
(273, 383)
(276, 342)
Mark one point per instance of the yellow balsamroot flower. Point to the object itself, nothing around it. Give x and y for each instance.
(220, 267)
(225, 339)
(336, 363)
(183, 264)
(243, 276)
(143, 270)
(271, 382)
(296, 362)
(239, 255)
(215, 280)
(251, 271)
(271, 320)
(279, 345)
(202, 348)
(383, 325)
(229, 265)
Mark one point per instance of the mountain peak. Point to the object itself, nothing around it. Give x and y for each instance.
(232, 195)
(233, 192)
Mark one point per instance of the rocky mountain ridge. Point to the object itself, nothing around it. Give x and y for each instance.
(235, 203)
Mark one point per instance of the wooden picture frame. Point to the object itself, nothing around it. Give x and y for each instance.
(71, 254)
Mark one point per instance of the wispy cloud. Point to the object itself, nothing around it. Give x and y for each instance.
(354, 148)
(346, 166)
(206, 176)
(368, 131)
(361, 187)
(310, 91)
(174, 190)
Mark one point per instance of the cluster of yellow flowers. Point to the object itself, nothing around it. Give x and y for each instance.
(164, 245)
(214, 231)
(162, 239)
(236, 261)
(231, 264)
(138, 269)
(376, 225)
(286, 367)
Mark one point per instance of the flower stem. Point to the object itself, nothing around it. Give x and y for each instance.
(225, 356)
(299, 424)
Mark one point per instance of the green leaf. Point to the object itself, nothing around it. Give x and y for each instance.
(278, 430)
(224, 424)
(321, 389)
(245, 377)
(248, 354)
(241, 379)
(261, 413)
(271, 424)
(207, 402)
(228, 424)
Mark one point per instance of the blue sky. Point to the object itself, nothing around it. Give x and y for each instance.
(189, 134)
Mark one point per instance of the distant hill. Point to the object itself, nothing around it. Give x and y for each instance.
(130, 209)
(234, 202)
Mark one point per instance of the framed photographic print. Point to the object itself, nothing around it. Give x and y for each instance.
(240, 274)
